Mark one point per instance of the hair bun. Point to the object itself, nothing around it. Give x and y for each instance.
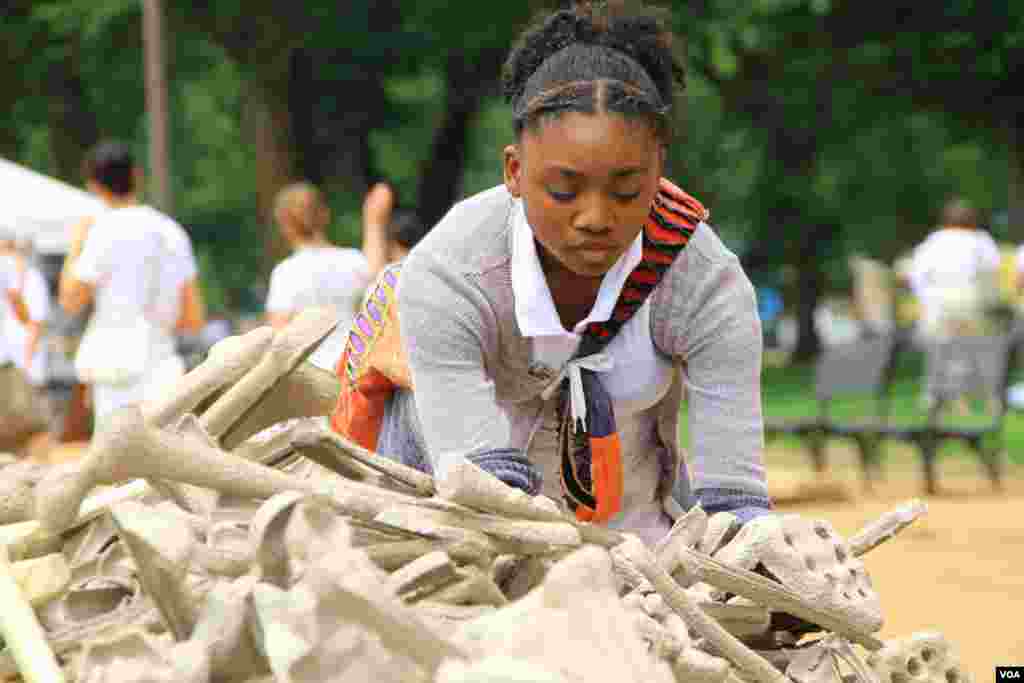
(637, 32)
(558, 31)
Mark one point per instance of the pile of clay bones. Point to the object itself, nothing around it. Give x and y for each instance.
(225, 533)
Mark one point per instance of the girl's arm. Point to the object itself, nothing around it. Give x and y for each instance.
(706, 318)
(446, 324)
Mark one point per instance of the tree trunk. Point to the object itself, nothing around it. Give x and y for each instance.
(73, 124)
(332, 146)
(302, 93)
(783, 188)
(9, 143)
(336, 141)
(340, 149)
(810, 286)
(266, 122)
(468, 80)
(1015, 151)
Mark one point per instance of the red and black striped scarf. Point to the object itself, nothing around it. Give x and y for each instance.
(591, 470)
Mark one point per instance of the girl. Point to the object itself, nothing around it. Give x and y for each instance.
(550, 324)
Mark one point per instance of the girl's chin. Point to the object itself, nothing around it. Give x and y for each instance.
(589, 263)
(591, 267)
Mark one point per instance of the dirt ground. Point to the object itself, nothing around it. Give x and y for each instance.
(959, 570)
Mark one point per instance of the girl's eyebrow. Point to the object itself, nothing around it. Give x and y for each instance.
(617, 173)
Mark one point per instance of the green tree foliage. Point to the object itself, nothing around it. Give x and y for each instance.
(811, 128)
(831, 96)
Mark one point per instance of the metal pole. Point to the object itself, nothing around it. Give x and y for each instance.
(156, 102)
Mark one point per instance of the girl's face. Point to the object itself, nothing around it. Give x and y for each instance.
(587, 182)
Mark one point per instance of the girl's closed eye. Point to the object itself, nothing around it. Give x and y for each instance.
(561, 196)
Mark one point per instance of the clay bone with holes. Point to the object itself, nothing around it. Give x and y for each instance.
(925, 657)
(809, 557)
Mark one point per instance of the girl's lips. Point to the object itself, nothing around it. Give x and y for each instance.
(597, 246)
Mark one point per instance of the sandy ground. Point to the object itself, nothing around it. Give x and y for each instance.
(959, 570)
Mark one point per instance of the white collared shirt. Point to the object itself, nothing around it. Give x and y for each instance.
(640, 376)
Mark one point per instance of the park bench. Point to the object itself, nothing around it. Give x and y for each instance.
(978, 366)
(851, 388)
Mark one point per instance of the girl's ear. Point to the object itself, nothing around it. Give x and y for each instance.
(513, 169)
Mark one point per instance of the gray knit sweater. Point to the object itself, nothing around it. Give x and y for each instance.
(477, 387)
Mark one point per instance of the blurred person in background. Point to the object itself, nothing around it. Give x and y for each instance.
(137, 267)
(318, 273)
(28, 307)
(404, 231)
(25, 412)
(953, 274)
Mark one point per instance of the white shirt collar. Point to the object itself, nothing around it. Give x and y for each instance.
(534, 307)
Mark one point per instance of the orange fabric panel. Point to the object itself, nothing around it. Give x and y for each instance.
(359, 413)
(606, 474)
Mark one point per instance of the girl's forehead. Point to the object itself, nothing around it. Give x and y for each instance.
(600, 141)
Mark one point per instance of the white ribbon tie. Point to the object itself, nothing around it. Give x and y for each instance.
(596, 362)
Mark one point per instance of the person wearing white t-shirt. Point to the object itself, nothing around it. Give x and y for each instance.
(24, 306)
(317, 273)
(953, 274)
(26, 309)
(131, 261)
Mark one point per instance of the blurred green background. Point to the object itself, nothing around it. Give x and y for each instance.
(812, 129)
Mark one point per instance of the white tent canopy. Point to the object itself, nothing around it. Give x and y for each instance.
(40, 208)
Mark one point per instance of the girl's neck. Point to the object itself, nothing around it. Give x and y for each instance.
(573, 294)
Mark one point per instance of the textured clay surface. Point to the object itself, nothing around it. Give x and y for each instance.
(925, 657)
(809, 557)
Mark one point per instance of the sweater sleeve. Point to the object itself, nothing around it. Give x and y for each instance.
(705, 318)
(445, 324)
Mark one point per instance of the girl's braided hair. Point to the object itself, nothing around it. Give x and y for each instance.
(612, 56)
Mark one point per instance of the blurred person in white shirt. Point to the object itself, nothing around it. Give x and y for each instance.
(27, 307)
(318, 273)
(131, 261)
(953, 273)
(24, 307)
